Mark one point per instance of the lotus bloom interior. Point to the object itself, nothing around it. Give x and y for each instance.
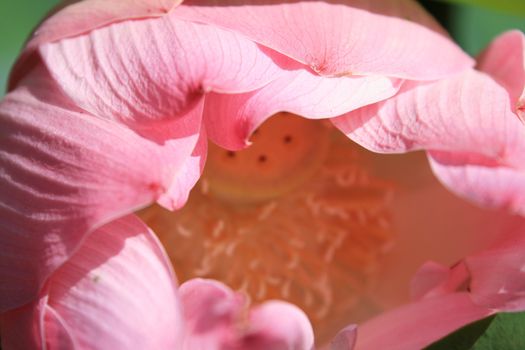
(241, 149)
(296, 216)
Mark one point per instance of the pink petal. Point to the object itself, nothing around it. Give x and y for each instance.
(210, 310)
(498, 273)
(149, 72)
(230, 119)
(393, 38)
(416, 325)
(494, 276)
(216, 320)
(278, 325)
(504, 60)
(465, 120)
(468, 112)
(490, 183)
(118, 291)
(64, 173)
(84, 16)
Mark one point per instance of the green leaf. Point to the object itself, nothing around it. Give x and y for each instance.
(502, 331)
(516, 7)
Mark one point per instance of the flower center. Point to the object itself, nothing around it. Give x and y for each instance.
(286, 151)
(295, 216)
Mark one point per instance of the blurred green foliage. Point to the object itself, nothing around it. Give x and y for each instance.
(504, 331)
(474, 27)
(17, 20)
(516, 7)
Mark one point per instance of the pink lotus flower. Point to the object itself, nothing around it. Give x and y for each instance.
(110, 109)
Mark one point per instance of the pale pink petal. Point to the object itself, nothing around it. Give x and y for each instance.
(149, 72)
(498, 273)
(345, 339)
(393, 38)
(118, 291)
(63, 173)
(416, 325)
(433, 279)
(81, 17)
(230, 119)
(465, 120)
(504, 60)
(216, 319)
(487, 182)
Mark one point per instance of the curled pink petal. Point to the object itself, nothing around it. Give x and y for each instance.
(59, 182)
(504, 60)
(345, 339)
(230, 119)
(490, 183)
(418, 324)
(150, 72)
(210, 310)
(116, 292)
(493, 276)
(465, 121)
(83, 16)
(335, 38)
(186, 177)
(278, 325)
(216, 319)
(498, 273)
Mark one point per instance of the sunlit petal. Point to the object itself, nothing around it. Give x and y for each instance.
(339, 38)
(58, 181)
(466, 122)
(116, 292)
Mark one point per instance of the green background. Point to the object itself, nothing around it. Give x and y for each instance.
(17, 20)
(473, 27)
